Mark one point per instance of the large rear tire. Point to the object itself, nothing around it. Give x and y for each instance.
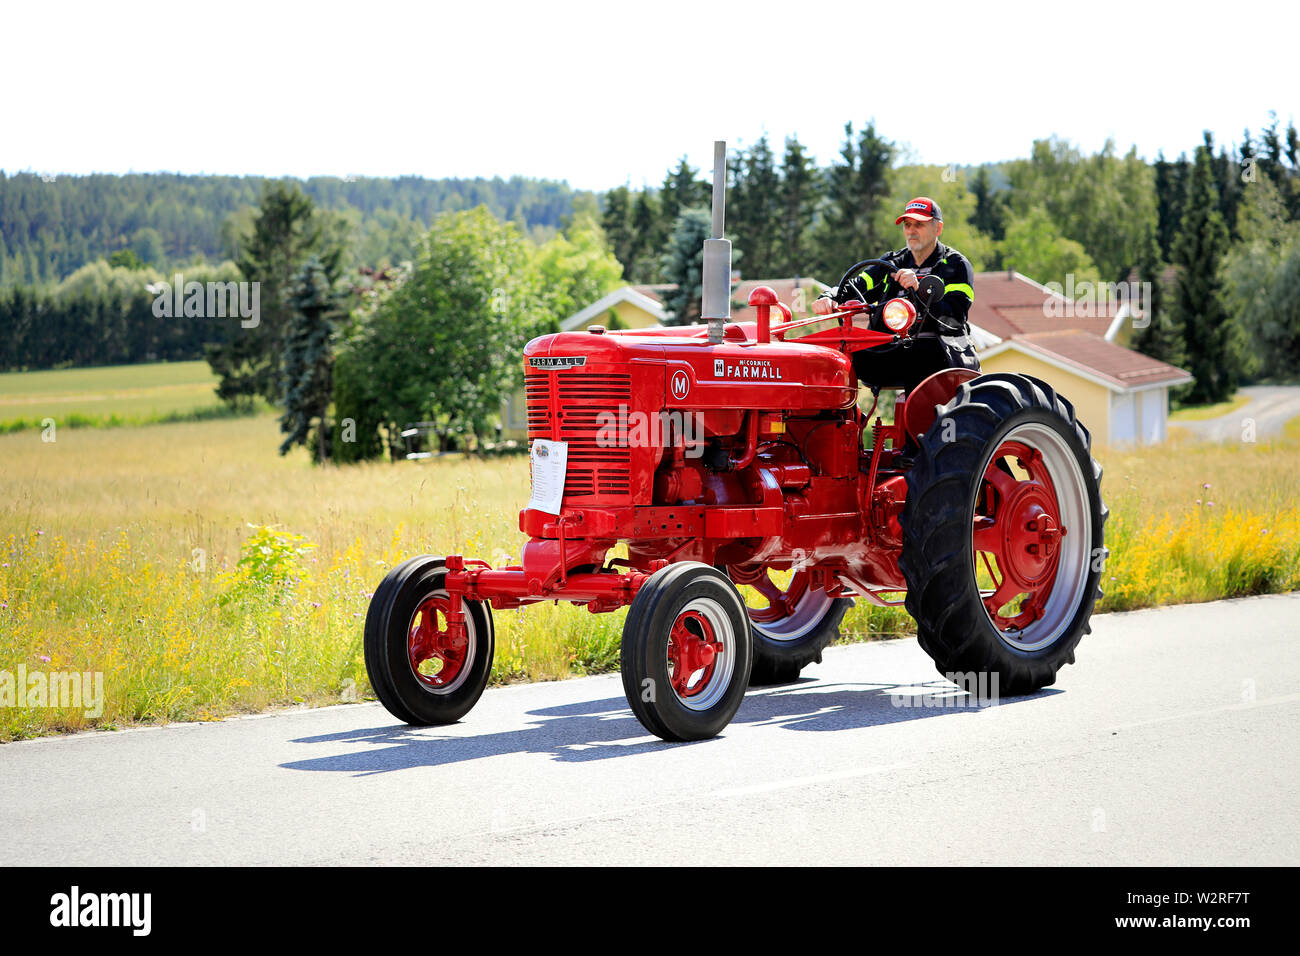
(1004, 489)
(420, 673)
(686, 652)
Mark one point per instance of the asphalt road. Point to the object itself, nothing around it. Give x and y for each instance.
(1173, 740)
(1270, 407)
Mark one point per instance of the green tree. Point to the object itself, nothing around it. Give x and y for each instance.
(990, 212)
(1261, 280)
(1171, 190)
(1034, 247)
(1227, 179)
(286, 232)
(645, 225)
(444, 344)
(147, 244)
(754, 207)
(682, 190)
(1160, 336)
(683, 265)
(569, 273)
(125, 259)
(1102, 202)
(617, 223)
(1214, 355)
(856, 188)
(309, 360)
(800, 187)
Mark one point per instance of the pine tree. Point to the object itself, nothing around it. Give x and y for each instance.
(855, 189)
(309, 359)
(753, 207)
(1270, 150)
(1291, 185)
(682, 190)
(1227, 179)
(1161, 338)
(683, 265)
(645, 254)
(1171, 188)
(798, 197)
(1248, 159)
(286, 232)
(616, 221)
(990, 215)
(1212, 355)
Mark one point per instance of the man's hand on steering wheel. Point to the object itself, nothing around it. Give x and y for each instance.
(907, 279)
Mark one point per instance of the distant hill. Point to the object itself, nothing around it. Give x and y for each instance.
(50, 228)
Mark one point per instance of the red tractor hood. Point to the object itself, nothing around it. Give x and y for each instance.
(736, 373)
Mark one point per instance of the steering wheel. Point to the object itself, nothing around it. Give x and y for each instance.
(928, 291)
(858, 267)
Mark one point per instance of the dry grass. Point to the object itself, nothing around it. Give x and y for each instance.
(120, 554)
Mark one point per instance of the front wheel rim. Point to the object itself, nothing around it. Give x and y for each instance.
(1032, 521)
(439, 662)
(701, 654)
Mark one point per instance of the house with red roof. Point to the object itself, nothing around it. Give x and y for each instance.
(1073, 344)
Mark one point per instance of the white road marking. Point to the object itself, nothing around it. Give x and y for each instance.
(808, 781)
(1245, 705)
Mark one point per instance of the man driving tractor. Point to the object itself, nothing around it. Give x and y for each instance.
(943, 338)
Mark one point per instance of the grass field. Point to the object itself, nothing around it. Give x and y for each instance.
(120, 551)
(1199, 413)
(118, 394)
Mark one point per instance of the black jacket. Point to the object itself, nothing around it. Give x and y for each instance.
(873, 286)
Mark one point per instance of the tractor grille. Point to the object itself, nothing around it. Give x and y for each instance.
(581, 397)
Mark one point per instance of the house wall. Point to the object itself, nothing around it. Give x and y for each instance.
(1124, 413)
(1153, 415)
(632, 317)
(1091, 401)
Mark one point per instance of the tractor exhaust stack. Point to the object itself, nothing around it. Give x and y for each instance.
(716, 303)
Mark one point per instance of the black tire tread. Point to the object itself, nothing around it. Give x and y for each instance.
(664, 587)
(379, 636)
(936, 558)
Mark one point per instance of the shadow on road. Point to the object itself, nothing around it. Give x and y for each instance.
(600, 729)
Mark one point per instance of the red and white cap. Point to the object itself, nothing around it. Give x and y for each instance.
(922, 209)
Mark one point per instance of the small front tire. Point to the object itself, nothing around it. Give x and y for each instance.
(420, 672)
(686, 653)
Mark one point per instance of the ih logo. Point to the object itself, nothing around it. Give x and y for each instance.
(717, 368)
(681, 385)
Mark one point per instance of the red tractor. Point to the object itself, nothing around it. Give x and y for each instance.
(990, 518)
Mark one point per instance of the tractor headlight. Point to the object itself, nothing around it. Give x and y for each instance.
(898, 316)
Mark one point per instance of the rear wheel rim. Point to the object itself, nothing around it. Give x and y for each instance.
(784, 611)
(439, 662)
(1032, 537)
(701, 654)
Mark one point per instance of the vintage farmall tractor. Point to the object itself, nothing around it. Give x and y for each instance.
(980, 501)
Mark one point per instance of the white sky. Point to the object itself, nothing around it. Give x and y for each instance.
(603, 93)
